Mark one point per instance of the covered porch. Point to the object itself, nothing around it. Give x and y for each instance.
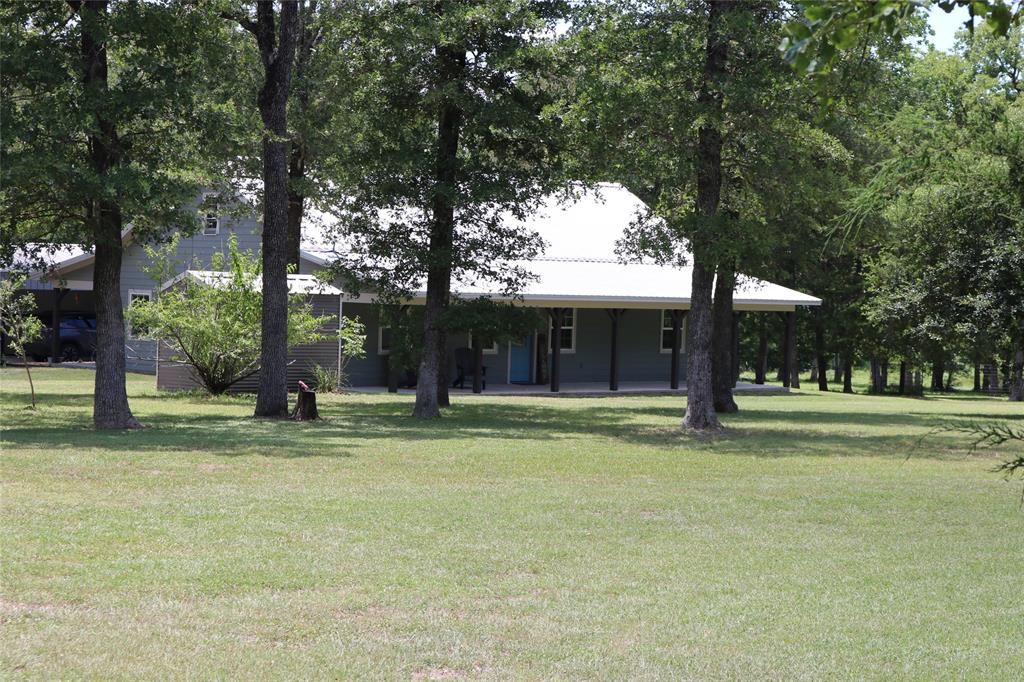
(583, 389)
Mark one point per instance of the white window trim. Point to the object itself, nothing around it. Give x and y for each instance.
(380, 340)
(575, 324)
(663, 329)
(491, 350)
(682, 333)
(132, 294)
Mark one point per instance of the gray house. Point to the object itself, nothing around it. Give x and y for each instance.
(613, 321)
(69, 278)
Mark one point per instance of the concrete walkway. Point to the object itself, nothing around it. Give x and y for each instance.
(582, 390)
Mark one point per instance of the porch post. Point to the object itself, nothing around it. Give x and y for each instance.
(736, 348)
(786, 371)
(792, 363)
(556, 346)
(677, 335)
(55, 356)
(613, 378)
(478, 361)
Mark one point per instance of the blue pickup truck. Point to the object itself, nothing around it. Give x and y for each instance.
(77, 339)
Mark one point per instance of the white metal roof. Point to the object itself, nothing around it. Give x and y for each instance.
(607, 283)
(297, 284)
(579, 266)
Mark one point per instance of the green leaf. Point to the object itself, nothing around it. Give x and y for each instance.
(1000, 19)
(818, 13)
(845, 37)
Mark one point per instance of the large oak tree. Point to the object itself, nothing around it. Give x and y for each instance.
(451, 147)
(105, 124)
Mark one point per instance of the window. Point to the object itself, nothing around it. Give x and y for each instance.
(138, 295)
(211, 223)
(384, 341)
(567, 332)
(488, 350)
(666, 332)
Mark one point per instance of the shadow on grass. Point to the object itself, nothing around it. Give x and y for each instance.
(352, 427)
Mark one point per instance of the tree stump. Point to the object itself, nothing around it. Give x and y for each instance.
(305, 405)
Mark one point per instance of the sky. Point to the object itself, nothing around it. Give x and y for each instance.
(945, 26)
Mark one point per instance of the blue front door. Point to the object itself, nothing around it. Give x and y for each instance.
(520, 360)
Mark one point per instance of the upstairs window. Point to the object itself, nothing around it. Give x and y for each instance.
(211, 223)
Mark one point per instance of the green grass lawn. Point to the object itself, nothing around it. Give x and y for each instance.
(517, 538)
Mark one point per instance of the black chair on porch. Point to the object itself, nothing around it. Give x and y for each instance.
(465, 367)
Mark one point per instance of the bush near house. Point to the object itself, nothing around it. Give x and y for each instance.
(215, 329)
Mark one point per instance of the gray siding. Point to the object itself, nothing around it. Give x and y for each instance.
(174, 376)
(193, 252)
(640, 357)
(371, 370)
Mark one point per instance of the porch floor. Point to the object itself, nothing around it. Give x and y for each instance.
(582, 389)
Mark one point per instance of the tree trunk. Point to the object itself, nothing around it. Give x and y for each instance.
(885, 375)
(305, 406)
(938, 373)
(392, 377)
(277, 52)
(432, 386)
(820, 362)
(443, 398)
(700, 406)
(822, 372)
(991, 378)
(1017, 377)
(847, 375)
(722, 341)
(110, 397)
(903, 377)
(977, 377)
(31, 385)
(296, 203)
(761, 369)
(837, 370)
(876, 376)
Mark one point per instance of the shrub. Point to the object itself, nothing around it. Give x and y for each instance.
(214, 328)
(18, 322)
